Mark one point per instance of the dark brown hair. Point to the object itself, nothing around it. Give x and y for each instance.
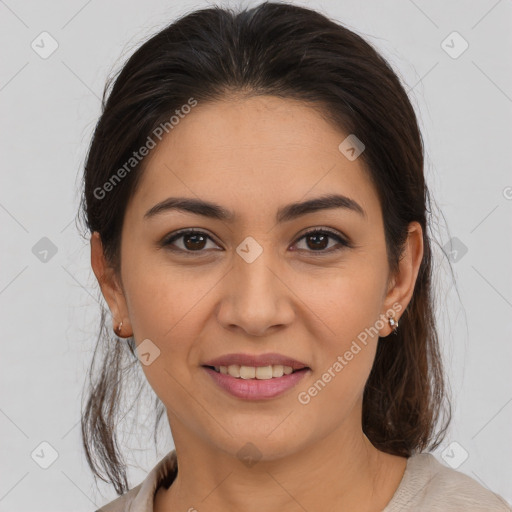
(289, 52)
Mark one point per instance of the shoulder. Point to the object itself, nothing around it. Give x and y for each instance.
(124, 502)
(428, 485)
(141, 497)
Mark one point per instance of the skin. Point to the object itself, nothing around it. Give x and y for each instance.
(253, 156)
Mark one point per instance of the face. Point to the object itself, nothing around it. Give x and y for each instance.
(257, 283)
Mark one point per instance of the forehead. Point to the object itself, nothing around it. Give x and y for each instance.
(252, 155)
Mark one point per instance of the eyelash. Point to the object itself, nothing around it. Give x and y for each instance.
(167, 242)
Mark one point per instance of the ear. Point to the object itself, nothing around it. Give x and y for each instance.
(110, 288)
(401, 289)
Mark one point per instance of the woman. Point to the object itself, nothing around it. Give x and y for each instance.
(255, 194)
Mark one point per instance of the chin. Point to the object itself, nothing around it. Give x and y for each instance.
(250, 448)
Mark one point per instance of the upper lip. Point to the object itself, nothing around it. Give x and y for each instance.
(256, 360)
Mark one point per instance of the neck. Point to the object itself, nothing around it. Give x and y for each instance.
(342, 471)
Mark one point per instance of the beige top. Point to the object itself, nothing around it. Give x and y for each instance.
(427, 485)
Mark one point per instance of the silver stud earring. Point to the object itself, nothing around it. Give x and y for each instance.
(394, 324)
(119, 328)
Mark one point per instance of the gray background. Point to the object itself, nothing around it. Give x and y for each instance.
(49, 312)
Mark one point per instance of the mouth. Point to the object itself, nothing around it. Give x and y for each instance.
(255, 366)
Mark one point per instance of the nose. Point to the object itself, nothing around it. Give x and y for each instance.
(255, 297)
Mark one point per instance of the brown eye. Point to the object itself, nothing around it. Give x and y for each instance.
(191, 241)
(318, 241)
(194, 242)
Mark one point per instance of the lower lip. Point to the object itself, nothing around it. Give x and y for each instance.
(256, 389)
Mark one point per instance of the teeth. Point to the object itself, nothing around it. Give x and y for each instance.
(247, 372)
(255, 372)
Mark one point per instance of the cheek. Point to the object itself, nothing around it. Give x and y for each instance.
(162, 298)
(344, 303)
(346, 349)
(166, 307)
(344, 309)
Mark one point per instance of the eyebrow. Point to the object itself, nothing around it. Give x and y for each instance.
(284, 214)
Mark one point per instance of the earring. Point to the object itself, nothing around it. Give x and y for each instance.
(394, 324)
(119, 328)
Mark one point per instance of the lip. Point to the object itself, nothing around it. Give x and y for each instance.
(256, 360)
(256, 389)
